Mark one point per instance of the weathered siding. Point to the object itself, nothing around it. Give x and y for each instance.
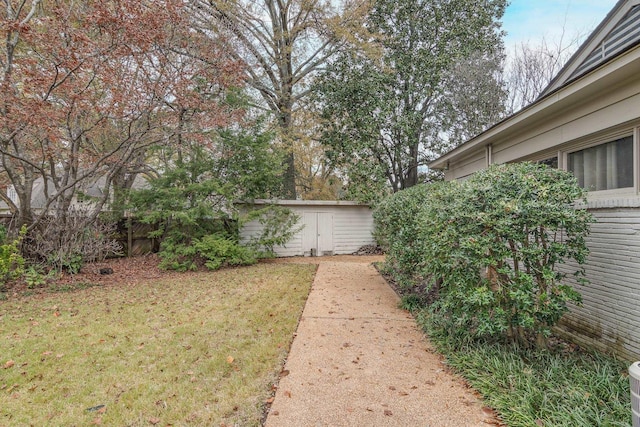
(352, 227)
(609, 318)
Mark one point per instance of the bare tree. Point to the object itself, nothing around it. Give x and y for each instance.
(283, 44)
(532, 66)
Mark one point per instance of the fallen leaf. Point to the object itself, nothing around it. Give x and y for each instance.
(275, 413)
(388, 413)
(287, 393)
(392, 388)
(269, 400)
(97, 421)
(9, 364)
(487, 410)
(539, 422)
(154, 420)
(56, 313)
(404, 393)
(284, 373)
(230, 359)
(102, 410)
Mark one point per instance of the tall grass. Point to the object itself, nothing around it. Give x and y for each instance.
(558, 387)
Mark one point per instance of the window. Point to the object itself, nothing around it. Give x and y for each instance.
(552, 162)
(604, 167)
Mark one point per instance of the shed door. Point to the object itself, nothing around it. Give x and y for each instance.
(317, 235)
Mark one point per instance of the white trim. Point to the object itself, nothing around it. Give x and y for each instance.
(611, 202)
(636, 158)
(594, 41)
(562, 164)
(625, 66)
(592, 141)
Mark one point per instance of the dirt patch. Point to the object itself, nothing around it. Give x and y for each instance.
(111, 272)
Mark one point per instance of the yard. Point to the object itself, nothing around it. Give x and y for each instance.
(150, 348)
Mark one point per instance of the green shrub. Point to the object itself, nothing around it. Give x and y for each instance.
(11, 260)
(178, 255)
(279, 225)
(219, 250)
(494, 244)
(396, 228)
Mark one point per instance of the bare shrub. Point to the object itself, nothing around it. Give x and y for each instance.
(66, 243)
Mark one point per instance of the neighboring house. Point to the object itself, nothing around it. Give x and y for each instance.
(88, 191)
(587, 121)
(328, 227)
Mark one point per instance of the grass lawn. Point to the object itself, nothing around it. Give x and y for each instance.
(197, 349)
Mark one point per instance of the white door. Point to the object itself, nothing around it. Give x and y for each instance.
(317, 234)
(310, 233)
(325, 233)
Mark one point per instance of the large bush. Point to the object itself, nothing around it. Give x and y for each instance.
(397, 227)
(494, 244)
(192, 202)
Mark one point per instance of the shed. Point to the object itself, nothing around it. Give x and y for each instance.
(328, 227)
(587, 121)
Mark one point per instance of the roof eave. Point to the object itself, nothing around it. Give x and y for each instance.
(628, 60)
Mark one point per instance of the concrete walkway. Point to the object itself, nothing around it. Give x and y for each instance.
(358, 360)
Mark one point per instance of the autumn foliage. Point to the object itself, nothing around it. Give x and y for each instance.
(86, 87)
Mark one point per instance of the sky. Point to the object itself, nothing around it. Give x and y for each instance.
(531, 20)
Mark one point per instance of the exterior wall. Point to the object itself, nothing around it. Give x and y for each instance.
(351, 227)
(466, 167)
(608, 318)
(616, 111)
(578, 111)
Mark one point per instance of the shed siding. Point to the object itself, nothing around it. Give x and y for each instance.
(352, 229)
(609, 318)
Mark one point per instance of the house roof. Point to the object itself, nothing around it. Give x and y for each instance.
(616, 40)
(618, 32)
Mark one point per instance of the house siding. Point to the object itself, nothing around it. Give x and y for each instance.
(352, 227)
(594, 100)
(608, 318)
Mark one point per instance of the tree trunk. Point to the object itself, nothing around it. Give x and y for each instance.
(289, 177)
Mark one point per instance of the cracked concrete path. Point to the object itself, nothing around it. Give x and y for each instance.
(359, 360)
